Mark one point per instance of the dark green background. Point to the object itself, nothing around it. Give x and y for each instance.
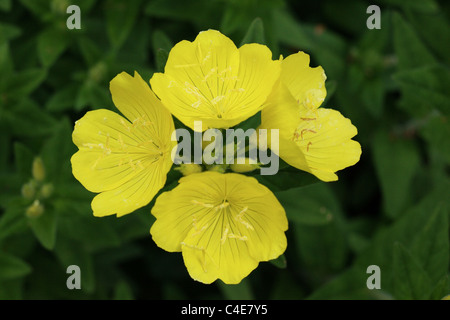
(391, 209)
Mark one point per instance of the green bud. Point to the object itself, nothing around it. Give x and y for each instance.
(245, 167)
(35, 210)
(29, 190)
(47, 190)
(38, 169)
(221, 168)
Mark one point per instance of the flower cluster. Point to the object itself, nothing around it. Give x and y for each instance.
(223, 223)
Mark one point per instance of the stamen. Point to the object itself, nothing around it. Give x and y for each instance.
(206, 205)
(240, 219)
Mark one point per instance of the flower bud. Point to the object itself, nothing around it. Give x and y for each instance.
(47, 190)
(241, 168)
(38, 169)
(221, 168)
(189, 168)
(29, 190)
(35, 210)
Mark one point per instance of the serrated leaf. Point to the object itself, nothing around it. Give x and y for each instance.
(12, 267)
(427, 86)
(407, 42)
(431, 245)
(255, 33)
(396, 161)
(410, 280)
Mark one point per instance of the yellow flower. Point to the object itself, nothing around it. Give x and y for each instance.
(224, 225)
(213, 81)
(125, 159)
(313, 139)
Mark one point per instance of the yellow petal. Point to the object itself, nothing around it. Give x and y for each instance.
(137, 102)
(213, 81)
(224, 224)
(320, 144)
(125, 159)
(132, 195)
(306, 84)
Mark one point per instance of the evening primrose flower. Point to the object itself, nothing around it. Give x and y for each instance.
(224, 225)
(124, 159)
(213, 81)
(313, 139)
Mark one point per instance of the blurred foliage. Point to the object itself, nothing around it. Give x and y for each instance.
(390, 210)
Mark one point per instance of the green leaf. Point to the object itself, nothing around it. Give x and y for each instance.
(280, 262)
(287, 179)
(120, 18)
(69, 253)
(161, 41)
(431, 245)
(57, 163)
(12, 267)
(5, 5)
(441, 289)
(44, 228)
(255, 33)
(13, 220)
(289, 32)
(161, 59)
(23, 160)
(241, 291)
(396, 162)
(372, 94)
(350, 285)
(410, 280)
(427, 6)
(63, 99)
(305, 207)
(322, 248)
(436, 24)
(8, 32)
(436, 132)
(123, 291)
(51, 43)
(27, 119)
(425, 87)
(90, 50)
(25, 82)
(38, 7)
(407, 42)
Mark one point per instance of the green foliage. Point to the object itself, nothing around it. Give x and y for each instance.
(391, 209)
